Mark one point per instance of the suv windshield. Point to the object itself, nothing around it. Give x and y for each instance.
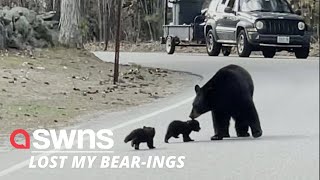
(265, 6)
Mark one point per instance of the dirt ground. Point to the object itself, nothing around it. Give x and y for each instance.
(50, 88)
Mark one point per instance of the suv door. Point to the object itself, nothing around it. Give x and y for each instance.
(233, 19)
(227, 21)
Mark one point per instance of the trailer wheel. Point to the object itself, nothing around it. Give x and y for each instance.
(170, 45)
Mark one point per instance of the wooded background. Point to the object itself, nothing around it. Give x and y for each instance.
(142, 20)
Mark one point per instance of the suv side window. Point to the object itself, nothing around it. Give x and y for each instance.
(231, 4)
(213, 6)
(221, 6)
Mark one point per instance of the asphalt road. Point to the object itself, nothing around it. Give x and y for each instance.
(287, 100)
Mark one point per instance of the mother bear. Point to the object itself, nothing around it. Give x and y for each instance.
(228, 94)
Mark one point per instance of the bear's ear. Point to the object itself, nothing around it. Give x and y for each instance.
(197, 88)
(144, 127)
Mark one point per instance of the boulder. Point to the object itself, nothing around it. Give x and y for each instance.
(18, 11)
(16, 41)
(41, 31)
(51, 24)
(48, 16)
(23, 27)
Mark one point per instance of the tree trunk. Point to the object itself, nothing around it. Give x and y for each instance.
(69, 24)
(107, 23)
(100, 21)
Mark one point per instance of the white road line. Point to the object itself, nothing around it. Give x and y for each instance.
(141, 118)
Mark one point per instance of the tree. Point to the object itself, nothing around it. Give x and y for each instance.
(70, 35)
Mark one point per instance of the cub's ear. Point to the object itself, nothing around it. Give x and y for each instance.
(144, 127)
(197, 88)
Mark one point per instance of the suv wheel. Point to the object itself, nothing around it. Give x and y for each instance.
(170, 45)
(226, 51)
(244, 47)
(213, 48)
(302, 53)
(269, 52)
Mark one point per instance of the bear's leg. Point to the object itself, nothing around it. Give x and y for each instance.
(221, 122)
(186, 138)
(168, 136)
(251, 116)
(133, 142)
(136, 145)
(150, 144)
(242, 128)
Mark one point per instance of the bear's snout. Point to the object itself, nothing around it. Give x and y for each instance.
(194, 114)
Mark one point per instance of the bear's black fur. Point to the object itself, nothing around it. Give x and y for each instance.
(228, 94)
(137, 136)
(185, 128)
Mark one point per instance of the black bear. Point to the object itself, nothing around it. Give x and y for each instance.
(137, 136)
(229, 93)
(176, 128)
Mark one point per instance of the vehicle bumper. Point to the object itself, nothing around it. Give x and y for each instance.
(263, 40)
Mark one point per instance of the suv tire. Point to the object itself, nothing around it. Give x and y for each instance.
(302, 53)
(213, 48)
(170, 45)
(268, 52)
(243, 46)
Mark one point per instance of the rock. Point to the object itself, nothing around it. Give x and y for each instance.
(48, 16)
(51, 24)
(93, 92)
(18, 11)
(140, 77)
(40, 68)
(16, 42)
(41, 31)
(54, 33)
(23, 27)
(39, 43)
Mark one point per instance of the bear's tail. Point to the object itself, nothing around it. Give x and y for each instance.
(129, 137)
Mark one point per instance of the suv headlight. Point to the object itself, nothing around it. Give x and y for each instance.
(259, 25)
(301, 26)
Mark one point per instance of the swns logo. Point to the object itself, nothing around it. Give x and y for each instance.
(82, 149)
(44, 139)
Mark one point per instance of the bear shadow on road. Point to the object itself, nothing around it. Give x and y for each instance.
(140, 150)
(263, 138)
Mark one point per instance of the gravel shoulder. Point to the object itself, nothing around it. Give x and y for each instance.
(51, 88)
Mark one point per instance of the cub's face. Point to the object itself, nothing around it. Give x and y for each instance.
(194, 124)
(149, 130)
(200, 104)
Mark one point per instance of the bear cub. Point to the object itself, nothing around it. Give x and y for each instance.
(141, 135)
(185, 128)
